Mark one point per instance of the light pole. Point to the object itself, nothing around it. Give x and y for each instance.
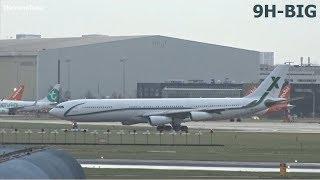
(68, 94)
(68, 61)
(123, 61)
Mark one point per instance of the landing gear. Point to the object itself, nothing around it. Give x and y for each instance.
(75, 126)
(175, 128)
(12, 112)
(184, 128)
(235, 120)
(180, 128)
(164, 128)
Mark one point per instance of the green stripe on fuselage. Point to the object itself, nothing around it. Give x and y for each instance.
(262, 97)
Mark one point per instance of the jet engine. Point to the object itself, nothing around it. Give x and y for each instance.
(159, 120)
(200, 116)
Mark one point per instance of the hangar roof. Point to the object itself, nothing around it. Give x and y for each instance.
(31, 47)
(25, 47)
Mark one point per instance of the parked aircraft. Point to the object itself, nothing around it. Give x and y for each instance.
(284, 106)
(285, 93)
(11, 106)
(169, 113)
(16, 95)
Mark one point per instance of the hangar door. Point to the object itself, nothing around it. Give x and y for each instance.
(15, 71)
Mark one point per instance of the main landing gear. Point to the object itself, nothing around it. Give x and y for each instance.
(12, 112)
(164, 128)
(235, 120)
(76, 128)
(175, 128)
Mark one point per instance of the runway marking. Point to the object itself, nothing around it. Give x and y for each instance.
(197, 168)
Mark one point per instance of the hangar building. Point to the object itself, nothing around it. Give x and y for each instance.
(109, 66)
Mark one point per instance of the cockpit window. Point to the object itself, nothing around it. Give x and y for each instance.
(60, 107)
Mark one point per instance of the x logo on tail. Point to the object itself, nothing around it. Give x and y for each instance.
(274, 83)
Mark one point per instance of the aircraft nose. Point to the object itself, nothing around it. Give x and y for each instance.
(56, 112)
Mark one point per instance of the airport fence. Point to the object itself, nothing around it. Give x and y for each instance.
(107, 137)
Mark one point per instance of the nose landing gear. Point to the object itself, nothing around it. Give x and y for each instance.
(75, 125)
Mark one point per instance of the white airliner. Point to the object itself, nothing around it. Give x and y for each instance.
(169, 113)
(11, 106)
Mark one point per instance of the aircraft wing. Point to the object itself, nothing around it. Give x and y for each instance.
(185, 113)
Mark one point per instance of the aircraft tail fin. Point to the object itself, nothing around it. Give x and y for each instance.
(272, 85)
(17, 93)
(53, 95)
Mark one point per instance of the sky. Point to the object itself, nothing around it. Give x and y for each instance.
(223, 22)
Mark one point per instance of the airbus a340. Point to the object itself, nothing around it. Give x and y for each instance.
(170, 113)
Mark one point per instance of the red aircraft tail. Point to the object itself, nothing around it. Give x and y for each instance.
(284, 106)
(285, 92)
(17, 94)
(250, 89)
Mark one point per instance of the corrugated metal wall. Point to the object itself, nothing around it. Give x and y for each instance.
(98, 69)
